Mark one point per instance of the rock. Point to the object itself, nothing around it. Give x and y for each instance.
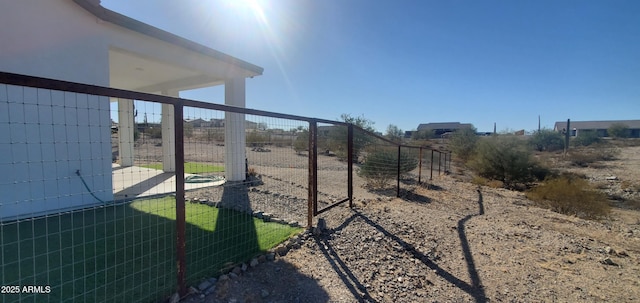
(175, 298)
(213, 280)
(233, 275)
(623, 253)
(271, 256)
(282, 250)
(611, 178)
(223, 277)
(609, 250)
(608, 261)
(192, 290)
(243, 267)
(254, 262)
(204, 285)
(237, 270)
(262, 258)
(264, 293)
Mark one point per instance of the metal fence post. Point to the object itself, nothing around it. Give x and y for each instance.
(398, 179)
(439, 162)
(420, 167)
(178, 111)
(445, 162)
(567, 135)
(431, 175)
(312, 205)
(350, 164)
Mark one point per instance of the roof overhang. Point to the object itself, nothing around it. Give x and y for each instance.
(135, 69)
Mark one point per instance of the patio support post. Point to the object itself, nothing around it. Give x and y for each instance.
(168, 134)
(234, 131)
(126, 128)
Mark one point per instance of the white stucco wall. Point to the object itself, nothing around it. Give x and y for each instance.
(45, 136)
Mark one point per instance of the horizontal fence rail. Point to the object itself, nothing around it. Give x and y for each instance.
(175, 192)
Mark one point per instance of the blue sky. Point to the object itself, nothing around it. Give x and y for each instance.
(409, 62)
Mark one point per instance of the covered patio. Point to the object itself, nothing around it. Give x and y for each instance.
(138, 182)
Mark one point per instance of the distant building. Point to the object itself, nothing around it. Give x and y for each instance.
(444, 127)
(408, 134)
(601, 127)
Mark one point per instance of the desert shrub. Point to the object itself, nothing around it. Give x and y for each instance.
(210, 135)
(394, 133)
(463, 143)
(255, 139)
(586, 138)
(337, 138)
(302, 141)
(477, 180)
(188, 130)
(506, 159)
(571, 196)
(154, 132)
(424, 134)
(619, 130)
(588, 156)
(381, 166)
(547, 140)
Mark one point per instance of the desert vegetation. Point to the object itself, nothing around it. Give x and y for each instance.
(537, 165)
(381, 166)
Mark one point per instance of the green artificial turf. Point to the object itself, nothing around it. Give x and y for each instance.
(191, 167)
(126, 253)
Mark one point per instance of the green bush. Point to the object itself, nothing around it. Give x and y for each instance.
(302, 141)
(337, 141)
(547, 140)
(463, 143)
(256, 139)
(381, 166)
(619, 130)
(507, 159)
(586, 138)
(571, 195)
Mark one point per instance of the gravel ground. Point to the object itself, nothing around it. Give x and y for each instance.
(450, 241)
(460, 245)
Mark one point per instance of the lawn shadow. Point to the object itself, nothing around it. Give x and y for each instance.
(474, 288)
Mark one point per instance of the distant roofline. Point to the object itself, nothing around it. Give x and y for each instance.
(589, 124)
(107, 15)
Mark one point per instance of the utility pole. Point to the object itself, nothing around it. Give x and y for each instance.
(538, 123)
(567, 134)
(494, 128)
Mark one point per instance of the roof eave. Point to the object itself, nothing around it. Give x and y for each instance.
(151, 31)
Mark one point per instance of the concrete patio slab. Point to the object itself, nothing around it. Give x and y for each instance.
(136, 182)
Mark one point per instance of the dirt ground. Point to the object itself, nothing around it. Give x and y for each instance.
(453, 241)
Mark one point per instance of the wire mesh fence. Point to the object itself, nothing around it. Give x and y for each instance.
(122, 196)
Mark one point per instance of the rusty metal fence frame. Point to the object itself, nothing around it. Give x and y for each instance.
(179, 104)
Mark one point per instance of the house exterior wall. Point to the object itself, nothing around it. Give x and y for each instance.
(46, 136)
(63, 44)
